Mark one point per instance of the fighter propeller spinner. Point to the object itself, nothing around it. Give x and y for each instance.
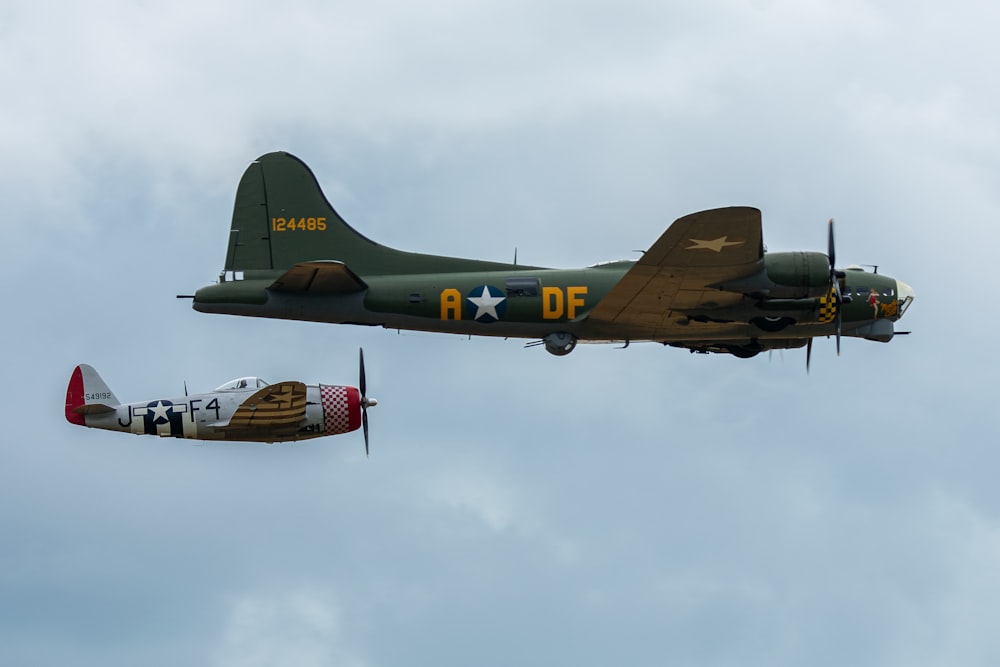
(245, 409)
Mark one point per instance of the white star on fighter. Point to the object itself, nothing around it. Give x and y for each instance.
(160, 411)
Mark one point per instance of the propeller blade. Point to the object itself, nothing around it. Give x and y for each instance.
(364, 425)
(835, 277)
(363, 388)
(362, 384)
(836, 316)
(809, 353)
(831, 250)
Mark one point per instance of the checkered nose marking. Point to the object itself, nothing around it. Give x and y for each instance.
(341, 409)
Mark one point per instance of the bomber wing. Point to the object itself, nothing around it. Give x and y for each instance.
(678, 274)
(277, 405)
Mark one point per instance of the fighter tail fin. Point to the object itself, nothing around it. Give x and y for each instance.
(87, 394)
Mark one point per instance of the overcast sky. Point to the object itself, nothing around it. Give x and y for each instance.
(642, 506)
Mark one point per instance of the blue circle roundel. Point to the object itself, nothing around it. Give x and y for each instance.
(487, 303)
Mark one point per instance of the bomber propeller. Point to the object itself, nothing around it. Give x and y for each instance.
(835, 277)
(838, 297)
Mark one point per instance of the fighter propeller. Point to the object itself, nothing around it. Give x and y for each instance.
(365, 401)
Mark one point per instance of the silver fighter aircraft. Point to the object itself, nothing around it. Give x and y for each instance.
(247, 409)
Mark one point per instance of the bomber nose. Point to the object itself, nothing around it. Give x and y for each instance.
(905, 296)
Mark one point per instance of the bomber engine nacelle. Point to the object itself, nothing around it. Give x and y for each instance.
(797, 275)
(785, 275)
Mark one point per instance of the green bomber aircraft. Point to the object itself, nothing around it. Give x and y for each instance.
(706, 284)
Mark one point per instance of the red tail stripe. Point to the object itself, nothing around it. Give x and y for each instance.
(74, 397)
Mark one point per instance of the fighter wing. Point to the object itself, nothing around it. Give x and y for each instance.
(677, 274)
(281, 404)
(319, 277)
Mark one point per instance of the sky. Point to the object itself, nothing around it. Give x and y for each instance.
(643, 506)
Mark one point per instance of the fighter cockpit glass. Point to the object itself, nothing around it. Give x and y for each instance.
(242, 384)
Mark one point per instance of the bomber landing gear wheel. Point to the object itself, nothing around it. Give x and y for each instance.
(772, 324)
(745, 351)
(560, 343)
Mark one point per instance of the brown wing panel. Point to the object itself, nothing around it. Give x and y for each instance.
(280, 404)
(675, 274)
(721, 237)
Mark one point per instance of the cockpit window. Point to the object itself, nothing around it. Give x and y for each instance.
(242, 384)
(904, 303)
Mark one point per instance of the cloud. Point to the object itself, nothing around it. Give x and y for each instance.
(641, 505)
(483, 496)
(295, 627)
(952, 623)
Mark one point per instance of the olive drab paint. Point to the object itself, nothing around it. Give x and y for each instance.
(706, 284)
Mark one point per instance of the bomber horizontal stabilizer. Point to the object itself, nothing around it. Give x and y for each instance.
(319, 277)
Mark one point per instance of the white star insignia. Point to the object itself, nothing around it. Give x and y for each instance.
(486, 304)
(715, 245)
(160, 411)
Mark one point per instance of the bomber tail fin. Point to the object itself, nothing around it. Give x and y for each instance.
(281, 218)
(87, 394)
